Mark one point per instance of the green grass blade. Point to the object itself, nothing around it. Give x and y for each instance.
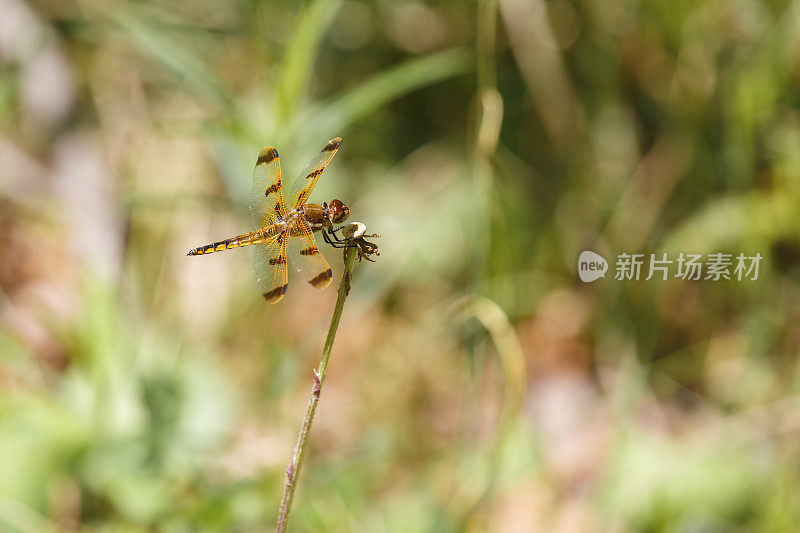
(153, 42)
(409, 76)
(298, 60)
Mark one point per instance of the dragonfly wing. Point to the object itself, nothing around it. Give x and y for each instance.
(266, 196)
(308, 178)
(269, 266)
(306, 257)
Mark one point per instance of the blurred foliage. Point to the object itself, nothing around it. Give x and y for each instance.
(475, 384)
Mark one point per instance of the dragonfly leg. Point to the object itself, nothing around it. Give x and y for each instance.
(335, 242)
(336, 237)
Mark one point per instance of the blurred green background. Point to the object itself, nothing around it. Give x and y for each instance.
(475, 384)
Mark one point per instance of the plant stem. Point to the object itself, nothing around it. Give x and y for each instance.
(293, 470)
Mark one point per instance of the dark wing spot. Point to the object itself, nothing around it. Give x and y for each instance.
(267, 154)
(278, 260)
(311, 250)
(322, 280)
(332, 145)
(275, 294)
(275, 187)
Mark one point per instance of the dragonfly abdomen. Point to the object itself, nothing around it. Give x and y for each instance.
(246, 239)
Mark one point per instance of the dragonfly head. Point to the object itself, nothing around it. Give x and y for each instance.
(338, 211)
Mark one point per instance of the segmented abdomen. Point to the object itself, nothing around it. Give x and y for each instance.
(254, 237)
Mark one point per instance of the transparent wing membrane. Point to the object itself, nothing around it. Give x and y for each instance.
(267, 206)
(269, 266)
(305, 182)
(266, 196)
(306, 256)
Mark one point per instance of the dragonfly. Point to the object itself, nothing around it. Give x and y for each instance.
(282, 232)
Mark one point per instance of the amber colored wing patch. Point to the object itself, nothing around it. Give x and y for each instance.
(306, 257)
(308, 178)
(266, 197)
(269, 266)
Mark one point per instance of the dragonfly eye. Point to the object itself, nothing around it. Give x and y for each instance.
(339, 211)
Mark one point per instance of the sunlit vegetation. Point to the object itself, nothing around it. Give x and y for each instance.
(475, 384)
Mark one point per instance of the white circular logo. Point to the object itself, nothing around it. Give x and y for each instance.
(591, 266)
